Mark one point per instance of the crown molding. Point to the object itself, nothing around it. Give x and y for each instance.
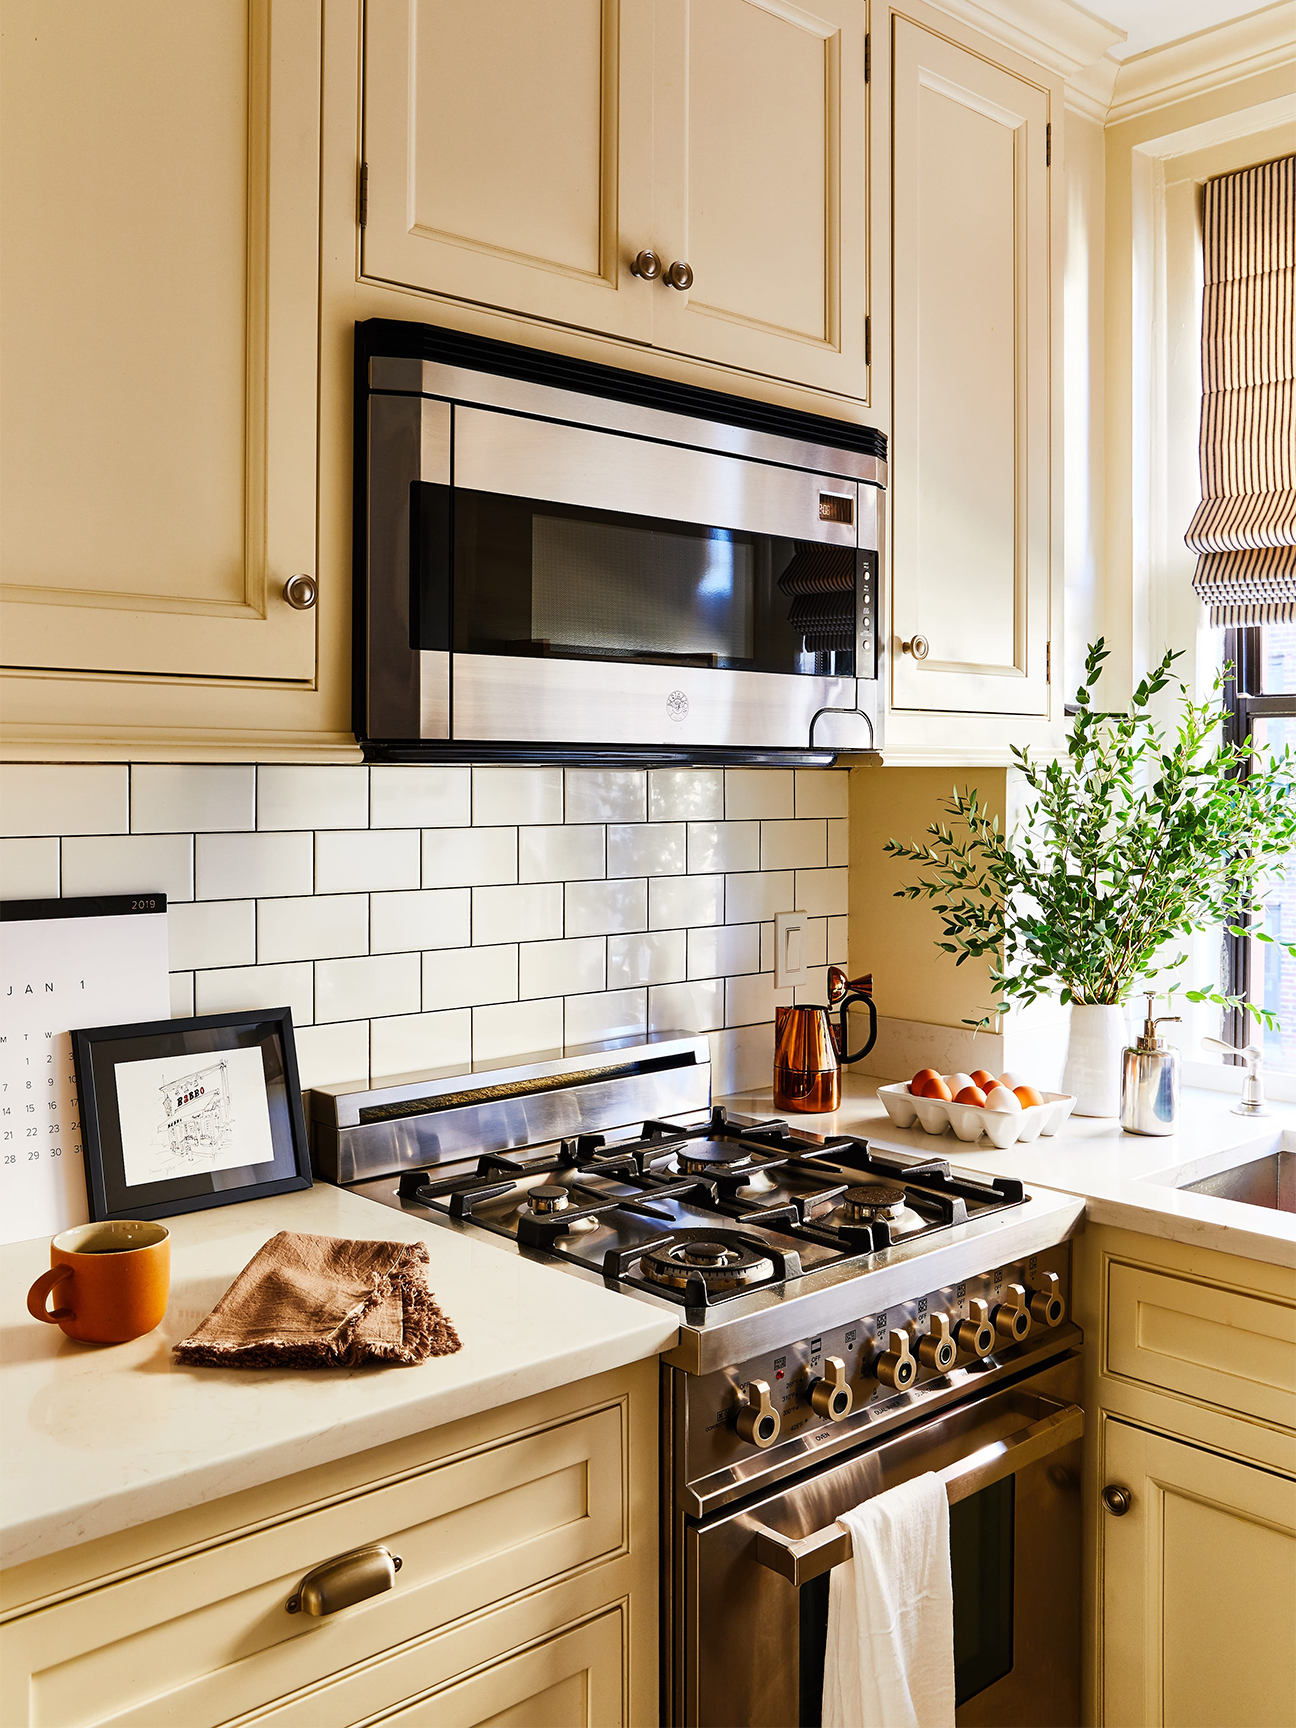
(1054, 33)
(1089, 92)
(1257, 43)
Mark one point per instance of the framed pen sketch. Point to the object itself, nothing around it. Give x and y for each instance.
(178, 1115)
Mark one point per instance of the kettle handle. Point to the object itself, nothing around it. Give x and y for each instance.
(858, 996)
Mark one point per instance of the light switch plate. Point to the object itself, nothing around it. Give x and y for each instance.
(790, 950)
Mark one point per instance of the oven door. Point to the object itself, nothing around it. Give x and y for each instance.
(615, 590)
(757, 1579)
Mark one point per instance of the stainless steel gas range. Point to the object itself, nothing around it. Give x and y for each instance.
(849, 1317)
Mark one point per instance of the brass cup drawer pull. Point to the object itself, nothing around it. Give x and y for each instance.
(345, 1580)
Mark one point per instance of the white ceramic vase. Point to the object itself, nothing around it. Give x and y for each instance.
(1098, 1037)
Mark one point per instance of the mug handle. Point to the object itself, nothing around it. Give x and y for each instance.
(40, 1290)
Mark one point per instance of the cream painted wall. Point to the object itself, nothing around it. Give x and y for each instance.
(1084, 384)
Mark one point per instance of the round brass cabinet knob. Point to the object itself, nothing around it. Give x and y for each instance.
(1117, 1500)
(301, 592)
(646, 264)
(680, 275)
(918, 646)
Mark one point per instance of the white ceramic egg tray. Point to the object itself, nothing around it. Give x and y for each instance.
(970, 1121)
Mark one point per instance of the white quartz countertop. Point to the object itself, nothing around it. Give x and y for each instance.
(1128, 1180)
(97, 1438)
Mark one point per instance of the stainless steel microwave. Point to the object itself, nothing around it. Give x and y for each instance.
(558, 560)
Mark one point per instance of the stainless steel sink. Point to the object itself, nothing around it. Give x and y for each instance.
(1269, 1181)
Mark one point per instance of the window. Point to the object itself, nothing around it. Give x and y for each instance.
(1262, 706)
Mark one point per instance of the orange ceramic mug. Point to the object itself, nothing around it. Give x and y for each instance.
(110, 1280)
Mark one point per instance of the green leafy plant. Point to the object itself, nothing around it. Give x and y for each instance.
(1129, 844)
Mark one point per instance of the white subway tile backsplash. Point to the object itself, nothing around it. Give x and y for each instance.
(838, 840)
(573, 853)
(248, 866)
(418, 1043)
(212, 933)
(750, 1000)
(29, 869)
(646, 849)
(822, 893)
(615, 1014)
(751, 792)
(823, 792)
(372, 859)
(63, 798)
(697, 1007)
(742, 1058)
(685, 794)
(414, 796)
(193, 797)
(759, 895)
(531, 912)
(420, 918)
(314, 927)
(363, 989)
(517, 1031)
(228, 989)
(467, 977)
(606, 794)
(312, 797)
(468, 857)
(656, 957)
(517, 795)
(129, 864)
(678, 902)
(332, 1055)
(723, 846)
(723, 950)
(182, 995)
(789, 845)
(562, 968)
(601, 908)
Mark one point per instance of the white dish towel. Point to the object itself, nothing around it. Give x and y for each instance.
(889, 1661)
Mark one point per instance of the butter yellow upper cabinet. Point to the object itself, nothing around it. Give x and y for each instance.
(160, 283)
(971, 470)
(522, 157)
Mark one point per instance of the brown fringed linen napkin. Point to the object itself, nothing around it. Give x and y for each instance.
(322, 1301)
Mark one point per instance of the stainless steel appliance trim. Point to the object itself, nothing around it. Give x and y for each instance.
(525, 458)
(515, 395)
(801, 1558)
(500, 698)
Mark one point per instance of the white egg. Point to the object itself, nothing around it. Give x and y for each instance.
(1010, 1081)
(1000, 1098)
(956, 1082)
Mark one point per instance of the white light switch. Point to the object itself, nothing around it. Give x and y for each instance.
(790, 950)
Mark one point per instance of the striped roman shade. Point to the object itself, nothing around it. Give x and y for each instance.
(1244, 529)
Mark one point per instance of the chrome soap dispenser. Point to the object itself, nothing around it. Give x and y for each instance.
(1150, 1081)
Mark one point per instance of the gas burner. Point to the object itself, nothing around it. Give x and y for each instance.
(548, 1198)
(874, 1200)
(723, 1159)
(720, 1259)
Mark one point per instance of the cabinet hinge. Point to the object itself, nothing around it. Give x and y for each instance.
(1048, 663)
(1048, 145)
(868, 341)
(363, 200)
(868, 58)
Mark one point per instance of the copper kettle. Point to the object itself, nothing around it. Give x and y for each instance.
(809, 1049)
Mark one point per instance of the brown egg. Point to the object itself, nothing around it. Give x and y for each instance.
(931, 1087)
(1027, 1095)
(971, 1095)
(922, 1075)
(980, 1077)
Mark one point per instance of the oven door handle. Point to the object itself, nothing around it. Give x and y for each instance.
(800, 1558)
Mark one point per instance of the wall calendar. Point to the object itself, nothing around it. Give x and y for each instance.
(100, 961)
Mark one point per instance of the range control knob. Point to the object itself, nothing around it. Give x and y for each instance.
(1046, 1305)
(757, 1421)
(830, 1396)
(975, 1335)
(1012, 1317)
(937, 1350)
(896, 1366)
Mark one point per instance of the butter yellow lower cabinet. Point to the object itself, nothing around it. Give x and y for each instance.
(526, 1592)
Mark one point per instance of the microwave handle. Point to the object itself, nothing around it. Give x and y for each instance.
(800, 1558)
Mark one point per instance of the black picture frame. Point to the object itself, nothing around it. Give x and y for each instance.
(97, 1052)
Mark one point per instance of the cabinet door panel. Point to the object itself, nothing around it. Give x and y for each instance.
(760, 186)
(970, 468)
(159, 350)
(1199, 1588)
(508, 155)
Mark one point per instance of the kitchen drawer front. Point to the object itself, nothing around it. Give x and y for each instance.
(203, 1639)
(1208, 1343)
